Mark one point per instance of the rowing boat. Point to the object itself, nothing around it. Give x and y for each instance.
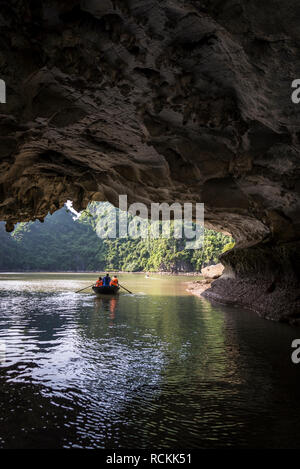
(111, 290)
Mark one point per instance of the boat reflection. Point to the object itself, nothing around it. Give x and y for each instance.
(108, 304)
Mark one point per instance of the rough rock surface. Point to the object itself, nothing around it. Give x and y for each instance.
(262, 278)
(212, 271)
(199, 286)
(177, 100)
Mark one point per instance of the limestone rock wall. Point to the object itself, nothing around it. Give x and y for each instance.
(174, 100)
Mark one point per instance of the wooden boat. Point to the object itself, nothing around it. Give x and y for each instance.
(106, 290)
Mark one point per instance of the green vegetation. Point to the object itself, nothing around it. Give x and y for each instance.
(228, 246)
(64, 244)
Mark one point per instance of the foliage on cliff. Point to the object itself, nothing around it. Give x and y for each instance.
(64, 244)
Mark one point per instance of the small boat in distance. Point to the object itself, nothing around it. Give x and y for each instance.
(111, 290)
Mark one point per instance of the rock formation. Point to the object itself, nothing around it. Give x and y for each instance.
(177, 100)
(209, 273)
(212, 271)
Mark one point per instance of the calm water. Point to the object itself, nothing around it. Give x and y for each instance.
(158, 369)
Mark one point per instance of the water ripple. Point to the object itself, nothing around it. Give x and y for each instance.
(139, 371)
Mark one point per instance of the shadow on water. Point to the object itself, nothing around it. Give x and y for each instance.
(156, 369)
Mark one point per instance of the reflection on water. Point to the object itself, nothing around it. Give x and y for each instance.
(160, 368)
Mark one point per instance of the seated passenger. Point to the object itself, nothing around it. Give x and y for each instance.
(106, 280)
(114, 282)
(99, 282)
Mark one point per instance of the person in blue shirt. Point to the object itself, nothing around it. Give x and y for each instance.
(106, 280)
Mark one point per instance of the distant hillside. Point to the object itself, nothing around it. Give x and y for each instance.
(64, 244)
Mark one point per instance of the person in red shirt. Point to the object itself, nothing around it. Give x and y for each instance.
(114, 282)
(99, 282)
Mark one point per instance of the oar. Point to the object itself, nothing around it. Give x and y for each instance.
(85, 288)
(125, 289)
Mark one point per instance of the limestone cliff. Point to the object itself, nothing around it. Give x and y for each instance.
(169, 101)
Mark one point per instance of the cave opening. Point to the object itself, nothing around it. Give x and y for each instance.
(92, 240)
(170, 102)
